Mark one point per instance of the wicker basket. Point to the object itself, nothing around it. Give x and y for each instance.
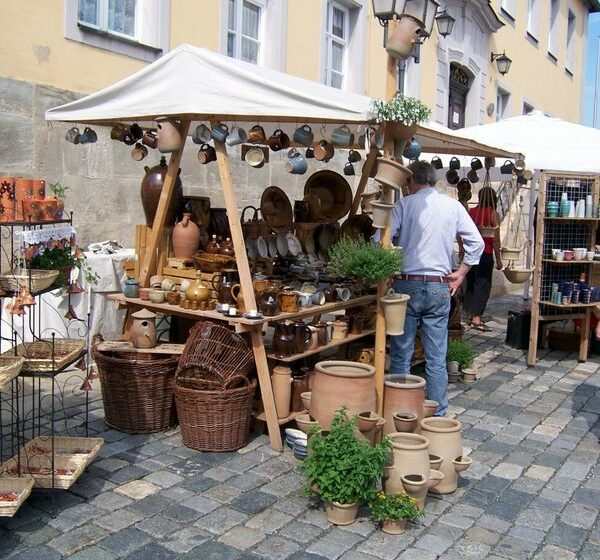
(215, 353)
(215, 420)
(42, 357)
(22, 486)
(10, 366)
(81, 450)
(39, 467)
(136, 390)
(211, 262)
(41, 280)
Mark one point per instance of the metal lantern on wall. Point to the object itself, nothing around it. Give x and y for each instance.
(385, 10)
(445, 23)
(502, 61)
(424, 11)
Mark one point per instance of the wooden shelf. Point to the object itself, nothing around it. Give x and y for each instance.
(123, 346)
(323, 309)
(330, 344)
(263, 418)
(569, 305)
(553, 261)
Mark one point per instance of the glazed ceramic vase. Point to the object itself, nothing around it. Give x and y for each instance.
(410, 456)
(185, 238)
(152, 185)
(341, 383)
(402, 393)
(394, 310)
(404, 37)
(446, 442)
(198, 290)
(392, 173)
(341, 514)
(143, 329)
(281, 380)
(169, 137)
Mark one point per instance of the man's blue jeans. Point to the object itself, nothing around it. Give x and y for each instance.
(428, 309)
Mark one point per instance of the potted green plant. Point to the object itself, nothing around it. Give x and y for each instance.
(393, 510)
(342, 469)
(59, 191)
(461, 353)
(63, 259)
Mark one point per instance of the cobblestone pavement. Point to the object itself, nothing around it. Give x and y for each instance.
(532, 492)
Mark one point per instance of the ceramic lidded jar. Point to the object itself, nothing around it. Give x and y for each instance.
(152, 185)
(402, 393)
(131, 289)
(143, 329)
(281, 381)
(185, 238)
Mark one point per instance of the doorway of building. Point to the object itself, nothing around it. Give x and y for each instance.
(458, 88)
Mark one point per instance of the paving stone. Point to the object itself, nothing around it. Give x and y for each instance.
(534, 518)
(385, 546)
(137, 489)
(125, 541)
(466, 548)
(269, 520)
(223, 493)
(551, 552)
(77, 539)
(579, 515)
(456, 520)
(516, 549)
(180, 513)
(198, 483)
(151, 505)
(158, 526)
(566, 536)
(164, 479)
(434, 543)
(186, 539)
(417, 554)
(201, 504)
(242, 538)
(133, 472)
(527, 534)
(110, 501)
(221, 520)
(39, 553)
(333, 544)
(94, 553)
(75, 516)
(117, 520)
(589, 552)
(253, 501)
(483, 536)
(587, 497)
(151, 551)
(353, 555)
(494, 523)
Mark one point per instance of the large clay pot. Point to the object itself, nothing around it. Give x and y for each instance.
(186, 238)
(341, 514)
(446, 442)
(392, 173)
(340, 383)
(410, 457)
(143, 329)
(405, 36)
(169, 137)
(281, 380)
(394, 309)
(402, 393)
(152, 185)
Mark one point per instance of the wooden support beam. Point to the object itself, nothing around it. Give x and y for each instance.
(366, 173)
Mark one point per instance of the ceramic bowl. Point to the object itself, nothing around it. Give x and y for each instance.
(304, 423)
(156, 296)
(579, 253)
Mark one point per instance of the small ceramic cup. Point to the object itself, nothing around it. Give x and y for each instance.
(157, 296)
(559, 255)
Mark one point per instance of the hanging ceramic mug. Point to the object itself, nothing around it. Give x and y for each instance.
(279, 140)
(72, 135)
(437, 163)
(507, 168)
(236, 136)
(88, 136)
(476, 164)
(255, 157)
(354, 156)
(520, 164)
(452, 177)
(201, 135)
(220, 132)
(342, 136)
(296, 164)
(206, 154)
(310, 153)
(324, 151)
(150, 139)
(304, 136)
(139, 152)
(349, 169)
(454, 164)
(472, 176)
(257, 135)
(412, 149)
(169, 136)
(490, 162)
(136, 131)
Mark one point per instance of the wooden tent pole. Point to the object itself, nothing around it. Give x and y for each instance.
(366, 173)
(166, 195)
(258, 348)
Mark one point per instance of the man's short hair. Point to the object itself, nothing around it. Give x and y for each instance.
(423, 173)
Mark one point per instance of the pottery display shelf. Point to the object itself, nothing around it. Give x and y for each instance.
(566, 219)
(572, 261)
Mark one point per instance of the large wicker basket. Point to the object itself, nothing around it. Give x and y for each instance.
(137, 390)
(215, 420)
(41, 280)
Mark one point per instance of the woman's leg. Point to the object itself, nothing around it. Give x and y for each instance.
(482, 285)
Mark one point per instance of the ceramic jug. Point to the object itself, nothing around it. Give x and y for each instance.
(198, 290)
(283, 339)
(404, 37)
(143, 329)
(302, 336)
(152, 185)
(268, 303)
(223, 282)
(213, 246)
(185, 238)
(340, 330)
(227, 247)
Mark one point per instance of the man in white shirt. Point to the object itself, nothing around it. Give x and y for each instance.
(426, 224)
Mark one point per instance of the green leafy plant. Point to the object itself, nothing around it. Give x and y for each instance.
(460, 351)
(394, 506)
(401, 109)
(364, 260)
(58, 190)
(57, 258)
(343, 468)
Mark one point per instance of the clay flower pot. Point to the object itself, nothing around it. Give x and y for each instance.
(415, 485)
(393, 526)
(341, 514)
(452, 367)
(381, 213)
(462, 463)
(404, 393)
(454, 377)
(304, 423)
(429, 408)
(392, 173)
(305, 399)
(394, 309)
(469, 375)
(367, 421)
(411, 456)
(405, 421)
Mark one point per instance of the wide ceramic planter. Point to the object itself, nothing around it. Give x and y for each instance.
(517, 275)
(392, 173)
(381, 213)
(394, 310)
(393, 526)
(445, 441)
(341, 383)
(341, 514)
(281, 380)
(410, 456)
(510, 253)
(402, 393)
(405, 35)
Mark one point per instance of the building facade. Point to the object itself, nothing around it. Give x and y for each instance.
(58, 50)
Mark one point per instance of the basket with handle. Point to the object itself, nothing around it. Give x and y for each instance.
(136, 389)
(214, 420)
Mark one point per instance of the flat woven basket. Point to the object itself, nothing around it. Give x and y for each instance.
(10, 366)
(215, 353)
(215, 420)
(21, 486)
(210, 262)
(44, 356)
(41, 280)
(60, 473)
(81, 450)
(137, 389)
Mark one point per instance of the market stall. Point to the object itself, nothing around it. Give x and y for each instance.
(195, 85)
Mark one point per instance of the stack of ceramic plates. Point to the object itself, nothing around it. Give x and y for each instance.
(292, 436)
(300, 449)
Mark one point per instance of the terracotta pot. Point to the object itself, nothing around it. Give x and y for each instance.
(381, 213)
(393, 526)
(429, 408)
(392, 173)
(416, 486)
(305, 399)
(405, 422)
(47, 209)
(169, 137)
(143, 329)
(394, 309)
(304, 423)
(367, 421)
(281, 380)
(185, 238)
(38, 187)
(341, 514)
(435, 462)
(152, 185)
(402, 393)
(7, 199)
(444, 436)
(404, 37)
(23, 192)
(411, 456)
(31, 210)
(340, 383)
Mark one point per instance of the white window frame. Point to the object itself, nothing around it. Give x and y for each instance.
(330, 38)
(509, 7)
(239, 25)
(533, 19)
(502, 103)
(553, 28)
(570, 46)
(151, 38)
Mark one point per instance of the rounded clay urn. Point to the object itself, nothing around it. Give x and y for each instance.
(169, 137)
(185, 238)
(281, 380)
(446, 442)
(152, 185)
(402, 393)
(341, 383)
(143, 329)
(404, 37)
(198, 290)
(410, 457)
